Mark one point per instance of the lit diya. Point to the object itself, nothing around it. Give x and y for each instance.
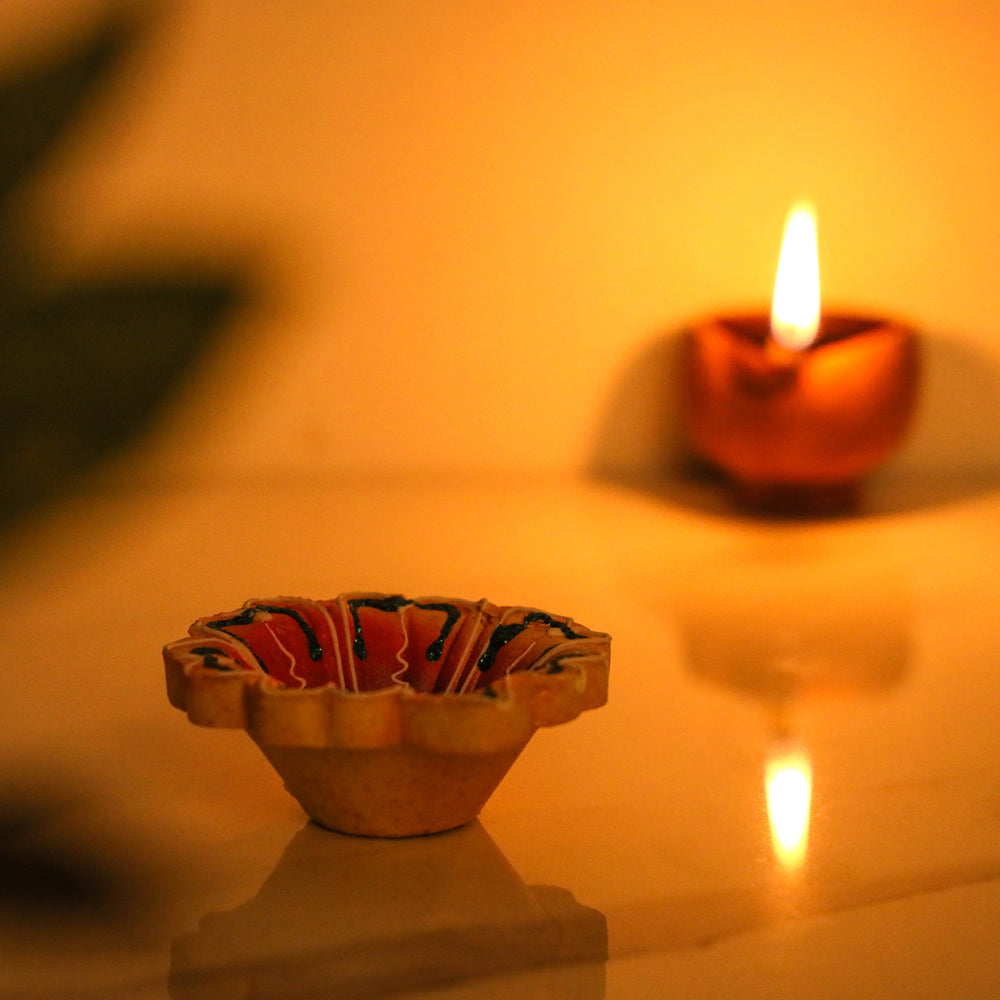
(383, 715)
(798, 407)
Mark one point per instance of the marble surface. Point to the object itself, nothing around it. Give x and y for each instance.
(626, 854)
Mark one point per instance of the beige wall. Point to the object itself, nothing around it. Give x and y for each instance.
(477, 222)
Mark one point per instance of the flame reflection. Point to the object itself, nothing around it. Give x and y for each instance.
(788, 784)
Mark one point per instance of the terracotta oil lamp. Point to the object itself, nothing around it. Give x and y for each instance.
(797, 407)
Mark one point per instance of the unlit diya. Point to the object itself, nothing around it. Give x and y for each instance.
(388, 716)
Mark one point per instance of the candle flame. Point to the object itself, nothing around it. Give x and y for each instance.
(788, 781)
(795, 307)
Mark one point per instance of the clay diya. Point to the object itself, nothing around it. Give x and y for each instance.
(798, 431)
(387, 716)
(797, 407)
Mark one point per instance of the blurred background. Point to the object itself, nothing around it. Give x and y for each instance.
(274, 239)
(308, 296)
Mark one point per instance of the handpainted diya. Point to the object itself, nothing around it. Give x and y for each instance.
(384, 715)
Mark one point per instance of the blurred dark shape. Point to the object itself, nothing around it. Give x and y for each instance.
(83, 368)
(46, 876)
(38, 104)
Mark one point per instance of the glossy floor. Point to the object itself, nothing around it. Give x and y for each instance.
(626, 854)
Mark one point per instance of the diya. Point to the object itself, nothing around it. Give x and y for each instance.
(796, 408)
(387, 716)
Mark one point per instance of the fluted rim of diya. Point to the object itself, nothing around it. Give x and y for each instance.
(801, 423)
(441, 674)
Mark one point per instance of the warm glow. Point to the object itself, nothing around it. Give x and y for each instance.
(789, 793)
(795, 307)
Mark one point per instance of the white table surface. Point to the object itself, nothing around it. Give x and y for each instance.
(627, 854)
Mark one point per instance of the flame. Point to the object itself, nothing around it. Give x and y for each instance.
(788, 782)
(795, 307)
